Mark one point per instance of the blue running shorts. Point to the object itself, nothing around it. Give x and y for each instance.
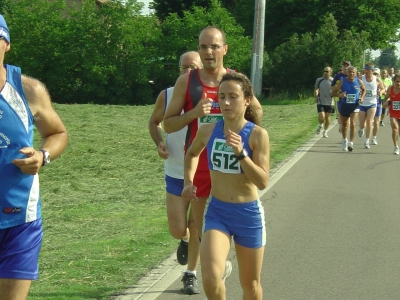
(19, 250)
(365, 108)
(244, 221)
(174, 186)
(346, 110)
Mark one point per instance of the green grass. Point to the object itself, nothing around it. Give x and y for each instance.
(103, 199)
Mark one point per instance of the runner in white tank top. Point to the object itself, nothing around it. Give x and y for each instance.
(374, 88)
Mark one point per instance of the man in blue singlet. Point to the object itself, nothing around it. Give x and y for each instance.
(351, 93)
(24, 102)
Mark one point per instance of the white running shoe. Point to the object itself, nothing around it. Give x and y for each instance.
(319, 129)
(396, 150)
(360, 132)
(325, 134)
(366, 145)
(344, 144)
(374, 141)
(350, 146)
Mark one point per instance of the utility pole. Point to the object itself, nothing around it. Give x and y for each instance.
(258, 46)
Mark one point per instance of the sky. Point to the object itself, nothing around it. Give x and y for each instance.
(145, 10)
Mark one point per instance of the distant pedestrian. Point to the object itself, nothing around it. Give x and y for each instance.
(324, 100)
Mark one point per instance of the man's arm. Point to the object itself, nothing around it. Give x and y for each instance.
(336, 89)
(48, 123)
(381, 87)
(155, 129)
(363, 91)
(173, 119)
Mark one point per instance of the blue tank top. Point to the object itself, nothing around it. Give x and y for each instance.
(220, 156)
(352, 90)
(19, 196)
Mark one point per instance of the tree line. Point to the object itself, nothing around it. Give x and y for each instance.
(111, 54)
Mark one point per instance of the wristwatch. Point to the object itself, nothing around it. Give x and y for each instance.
(242, 154)
(46, 157)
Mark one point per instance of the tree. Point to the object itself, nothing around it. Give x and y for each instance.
(181, 35)
(87, 54)
(243, 12)
(379, 18)
(387, 58)
(299, 61)
(163, 8)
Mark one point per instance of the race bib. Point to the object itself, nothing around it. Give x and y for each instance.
(368, 93)
(223, 159)
(395, 105)
(351, 98)
(209, 119)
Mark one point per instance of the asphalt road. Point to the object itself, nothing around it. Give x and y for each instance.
(333, 228)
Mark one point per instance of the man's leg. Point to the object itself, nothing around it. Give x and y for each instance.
(321, 118)
(362, 117)
(369, 120)
(194, 244)
(198, 212)
(177, 216)
(353, 119)
(14, 289)
(327, 120)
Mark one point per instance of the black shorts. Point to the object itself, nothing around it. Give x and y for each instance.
(346, 110)
(329, 109)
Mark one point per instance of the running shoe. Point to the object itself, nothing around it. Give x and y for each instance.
(182, 253)
(374, 141)
(366, 145)
(344, 145)
(325, 134)
(228, 270)
(319, 129)
(360, 132)
(190, 285)
(381, 123)
(350, 146)
(396, 150)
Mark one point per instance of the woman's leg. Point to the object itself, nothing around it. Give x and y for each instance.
(214, 249)
(250, 264)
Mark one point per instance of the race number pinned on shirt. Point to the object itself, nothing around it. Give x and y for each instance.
(211, 118)
(223, 159)
(351, 98)
(395, 105)
(368, 94)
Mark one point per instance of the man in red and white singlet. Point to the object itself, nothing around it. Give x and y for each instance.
(197, 94)
(394, 110)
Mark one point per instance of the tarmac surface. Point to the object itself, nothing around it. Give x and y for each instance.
(333, 228)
